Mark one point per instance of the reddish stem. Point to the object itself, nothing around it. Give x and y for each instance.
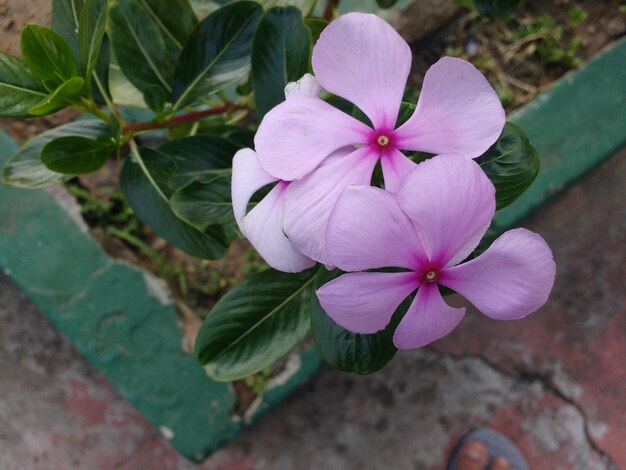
(190, 117)
(329, 11)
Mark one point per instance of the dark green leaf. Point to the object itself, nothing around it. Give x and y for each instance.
(203, 204)
(66, 94)
(281, 52)
(91, 29)
(352, 352)
(511, 164)
(316, 25)
(217, 53)
(19, 87)
(65, 19)
(386, 3)
(47, 54)
(304, 6)
(75, 155)
(146, 51)
(200, 157)
(155, 97)
(175, 18)
(496, 8)
(255, 324)
(147, 195)
(25, 169)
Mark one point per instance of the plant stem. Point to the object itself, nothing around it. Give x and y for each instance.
(91, 107)
(190, 117)
(329, 11)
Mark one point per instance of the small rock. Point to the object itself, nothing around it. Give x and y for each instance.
(616, 26)
(423, 17)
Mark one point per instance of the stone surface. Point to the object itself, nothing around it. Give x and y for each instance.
(554, 382)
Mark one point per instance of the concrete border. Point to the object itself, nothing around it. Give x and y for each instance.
(112, 314)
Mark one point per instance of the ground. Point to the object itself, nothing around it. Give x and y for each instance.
(554, 382)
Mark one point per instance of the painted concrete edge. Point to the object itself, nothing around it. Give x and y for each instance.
(111, 312)
(576, 124)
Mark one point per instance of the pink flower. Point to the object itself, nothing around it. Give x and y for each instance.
(361, 58)
(262, 225)
(437, 218)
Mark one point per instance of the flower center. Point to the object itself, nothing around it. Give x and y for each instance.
(430, 276)
(382, 140)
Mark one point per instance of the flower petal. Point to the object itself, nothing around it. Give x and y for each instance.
(365, 302)
(452, 201)
(263, 228)
(298, 134)
(367, 230)
(248, 177)
(308, 202)
(510, 280)
(364, 60)
(457, 112)
(396, 166)
(428, 319)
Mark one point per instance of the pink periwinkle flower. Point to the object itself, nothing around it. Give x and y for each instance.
(435, 220)
(362, 59)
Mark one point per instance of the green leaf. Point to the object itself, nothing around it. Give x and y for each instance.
(25, 169)
(199, 158)
(147, 192)
(75, 155)
(66, 94)
(281, 52)
(47, 54)
(304, 6)
(386, 3)
(174, 17)
(316, 26)
(203, 204)
(496, 8)
(19, 87)
(91, 29)
(512, 164)
(217, 53)
(352, 352)
(65, 20)
(155, 97)
(144, 48)
(255, 324)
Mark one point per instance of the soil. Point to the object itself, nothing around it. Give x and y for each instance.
(520, 56)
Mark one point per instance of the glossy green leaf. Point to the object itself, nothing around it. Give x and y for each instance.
(75, 155)
(201, 158)
(352, 352)
(155, 98)
(146, 191)
(512, 164)
(175, 18)
(255, 324)
(281, 52)
(91, 29)
(217, 53)
(496, 8)
(144, 49)
(19, 87)
(65, 20)
(203, 204)
(47, 54)
(66, 94)
(25, 169)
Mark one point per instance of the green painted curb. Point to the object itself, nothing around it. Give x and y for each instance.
(115, 316)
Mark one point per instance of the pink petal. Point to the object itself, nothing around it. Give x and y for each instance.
(367, 230)
(248, 177)
(510, 280)
(427, 320)
(262, 226)
(452, 201)
(300, 133)
(365, 302)
(309, 201)
(457, 112)
(396, 166)
(364, 60)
